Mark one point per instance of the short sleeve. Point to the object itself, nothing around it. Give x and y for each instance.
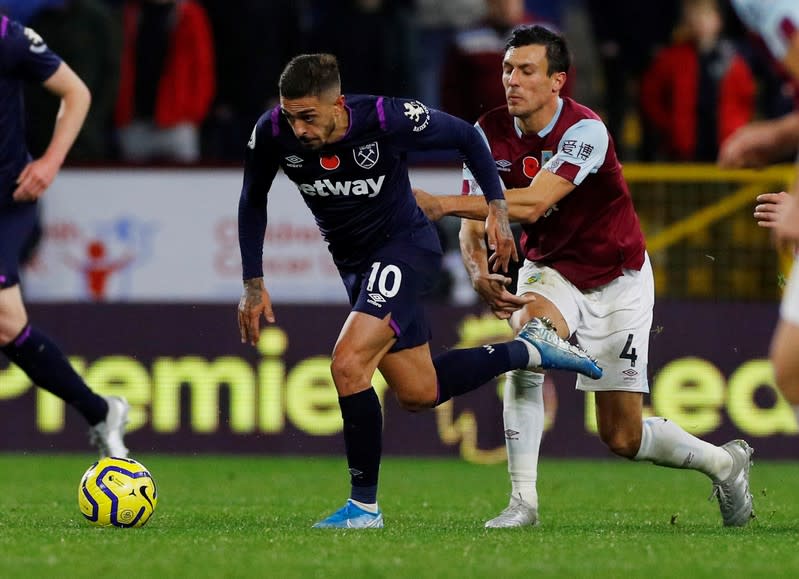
(470, 184)
(26, 55)
(581, 151)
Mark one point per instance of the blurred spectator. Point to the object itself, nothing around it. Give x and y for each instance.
(472, 71)
(776, 91)
(437, 23)
(699, 90)
(23, 11)
(167, 80)
(84, 34)
(627, 34)
(252, 44)
(374, 43)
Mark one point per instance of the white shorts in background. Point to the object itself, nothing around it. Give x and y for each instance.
(612, 322)
(789, 309)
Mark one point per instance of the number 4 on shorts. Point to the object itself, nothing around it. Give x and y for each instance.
(628, 352)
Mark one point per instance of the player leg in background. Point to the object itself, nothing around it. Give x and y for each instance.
(43, 362)
(664, 443)
(785, 343)
(616, 324)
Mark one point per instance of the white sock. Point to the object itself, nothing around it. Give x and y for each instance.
(368, 507)
(666, 444)
(535, 355)
(523, 413)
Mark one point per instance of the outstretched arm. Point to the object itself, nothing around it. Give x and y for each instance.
(37, 176)
(525, 205)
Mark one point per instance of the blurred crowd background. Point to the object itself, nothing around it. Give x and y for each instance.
(183, 81)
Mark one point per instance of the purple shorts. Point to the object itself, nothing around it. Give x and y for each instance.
(394, 280)
(17, 223)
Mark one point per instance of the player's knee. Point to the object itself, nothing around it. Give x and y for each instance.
(622, 442)
(414, 402)
(347, 371)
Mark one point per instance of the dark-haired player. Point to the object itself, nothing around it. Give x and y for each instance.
(586, 266)
(346, 155)
(25, 57)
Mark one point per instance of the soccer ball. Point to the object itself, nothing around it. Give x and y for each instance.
(117, 492)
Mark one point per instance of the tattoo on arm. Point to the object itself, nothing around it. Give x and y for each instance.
(253, 288)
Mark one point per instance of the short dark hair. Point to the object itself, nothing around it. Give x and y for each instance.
(558, 57)
(309, 75)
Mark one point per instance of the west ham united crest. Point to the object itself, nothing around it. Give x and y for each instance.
(366, 155)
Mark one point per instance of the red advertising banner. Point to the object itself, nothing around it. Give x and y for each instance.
(194, 388)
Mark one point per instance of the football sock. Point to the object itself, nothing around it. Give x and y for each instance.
(369, 508)
(363, 433)
(523, 413)
(461, 371)
(48, 368)
(666, 444)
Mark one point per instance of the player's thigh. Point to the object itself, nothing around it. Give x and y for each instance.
(619, 415)
(556, 298)
(363, 341)
(615, 327)
(785, 343)
(12, 314)
(411, 375)
(785, 358)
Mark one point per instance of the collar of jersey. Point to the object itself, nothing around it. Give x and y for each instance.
(546, 130)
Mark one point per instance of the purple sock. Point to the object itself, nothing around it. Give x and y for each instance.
(461, 371)
(48, 368)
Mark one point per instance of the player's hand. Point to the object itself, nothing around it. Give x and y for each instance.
(430, 204)
(493, 289)
(500, 237)
(254, 303)
(748, 147)
(35, 178)
(770, 207)
(786, 228)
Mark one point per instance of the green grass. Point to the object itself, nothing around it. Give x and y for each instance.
(250, 517)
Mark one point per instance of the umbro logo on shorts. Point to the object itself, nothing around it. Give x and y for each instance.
(376, 300)
(630, 372)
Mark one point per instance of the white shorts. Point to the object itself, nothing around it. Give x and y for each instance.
(789, 310)
(612, 322)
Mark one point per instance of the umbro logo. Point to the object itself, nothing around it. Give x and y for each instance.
(294, 161)
(630, 372)
(511, 434)
(503, 165)
(376, 300)
(489, 348)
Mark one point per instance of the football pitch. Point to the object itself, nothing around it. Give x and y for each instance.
(250, 516)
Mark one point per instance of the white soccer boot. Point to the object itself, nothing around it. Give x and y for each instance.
(735, 500)
(107, 435)
(518, 513)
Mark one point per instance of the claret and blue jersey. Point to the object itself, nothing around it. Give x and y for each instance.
(358, 187)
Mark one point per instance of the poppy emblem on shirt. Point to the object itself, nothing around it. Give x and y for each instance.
(530, 167)
(331, 162)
